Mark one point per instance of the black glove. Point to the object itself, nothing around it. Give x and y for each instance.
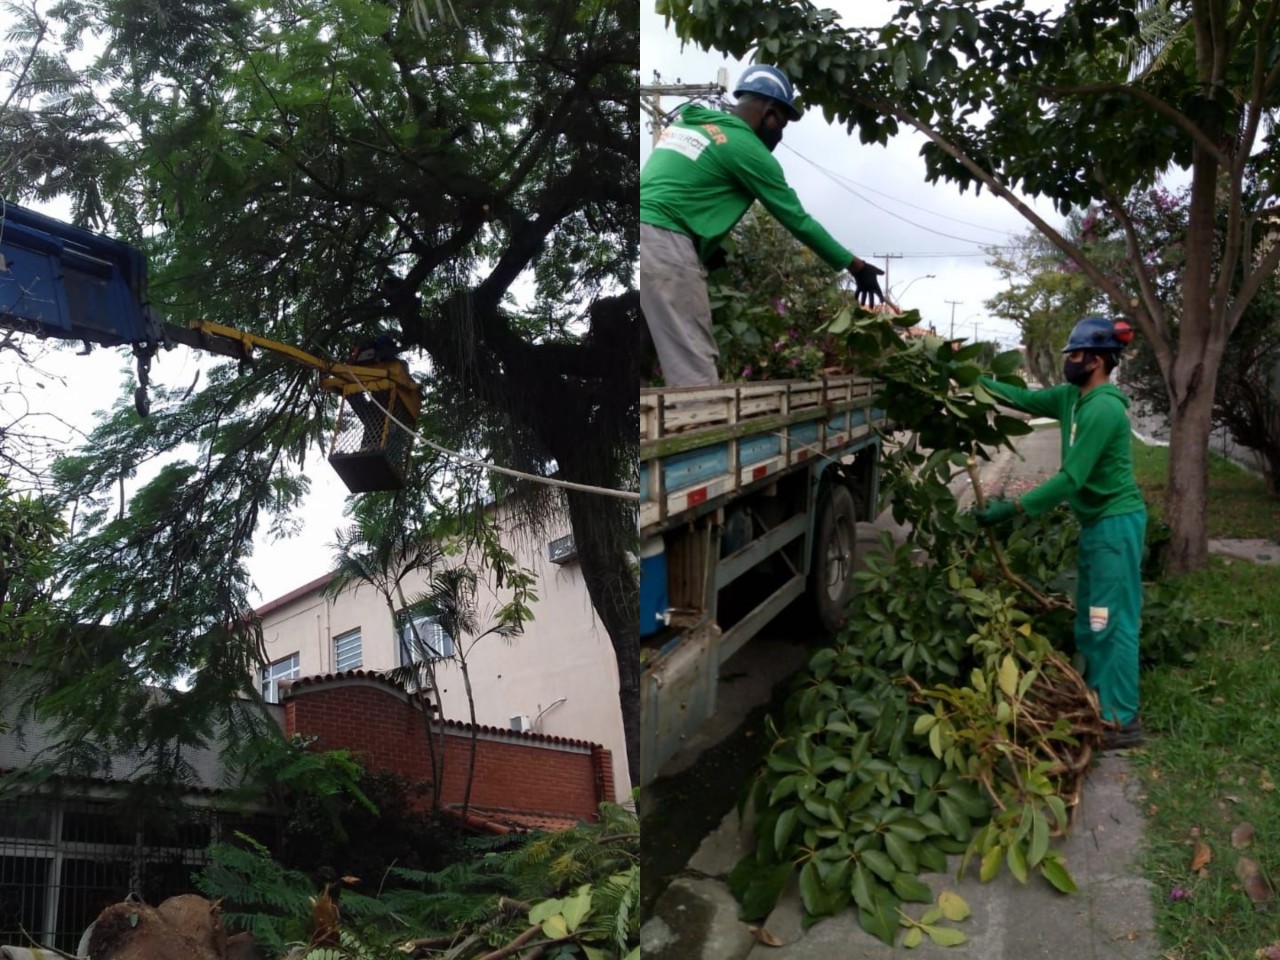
(866, 280)
(717, 261)
(996, 512)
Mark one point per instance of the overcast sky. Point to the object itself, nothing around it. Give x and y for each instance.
(874, 199)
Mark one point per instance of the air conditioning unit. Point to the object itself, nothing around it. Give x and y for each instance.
(562, 550)
(522, 723)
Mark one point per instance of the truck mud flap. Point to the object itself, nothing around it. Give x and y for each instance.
(677, 696)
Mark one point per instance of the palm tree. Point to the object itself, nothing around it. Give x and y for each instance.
(451, 603)
(382, 549)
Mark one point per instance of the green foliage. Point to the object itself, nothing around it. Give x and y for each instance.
(770, 302)
(257, 893)
(330, 172)
(585, 878)
(30, 532)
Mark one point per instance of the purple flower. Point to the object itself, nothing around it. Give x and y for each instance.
(1177, 893)
(746, 372)
(795, 361)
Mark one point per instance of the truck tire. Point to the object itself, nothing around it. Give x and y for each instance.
(834, 546)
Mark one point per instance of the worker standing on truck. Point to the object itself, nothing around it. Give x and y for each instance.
(702, 177)
(1097, 480)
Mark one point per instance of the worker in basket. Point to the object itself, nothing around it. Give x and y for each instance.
(703, 175)
(1096, 479)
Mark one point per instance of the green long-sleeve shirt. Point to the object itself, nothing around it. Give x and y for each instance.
(707, 170)
(1096, 477)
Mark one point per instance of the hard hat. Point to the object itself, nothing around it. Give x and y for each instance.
(769, 82)
(1099, 333)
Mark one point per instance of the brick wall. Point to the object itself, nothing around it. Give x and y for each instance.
(514, 771)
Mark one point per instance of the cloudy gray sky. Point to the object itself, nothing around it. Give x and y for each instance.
(873, 199)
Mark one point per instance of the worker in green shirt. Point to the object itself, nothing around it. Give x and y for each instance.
(703, 175)
(1097, 480)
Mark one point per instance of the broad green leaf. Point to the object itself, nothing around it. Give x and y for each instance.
(1008, 676)
(880, 864)
(1055, 871)
(912, 888)
(816, 901)
(1059, 809)
(946, 936)
(762, 887)
(577, 907)
(900, 70)
(953, 906)
(990, 863)
(540, 911)
(1039, 840)
(555, 927)
(1017, 859)
(902, 851)
(924, 723)
(861, 887)
(932, 915)
(593, 953)
(935, 740)
(912, 938)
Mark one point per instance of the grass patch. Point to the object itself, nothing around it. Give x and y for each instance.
(1213, 762)
(1239, 506)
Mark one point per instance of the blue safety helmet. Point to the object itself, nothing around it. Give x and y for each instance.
(1099, 333)
(769, 82)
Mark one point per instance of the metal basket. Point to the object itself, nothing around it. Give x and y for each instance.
(370, 451)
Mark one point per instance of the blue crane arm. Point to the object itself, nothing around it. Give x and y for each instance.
(57, 280)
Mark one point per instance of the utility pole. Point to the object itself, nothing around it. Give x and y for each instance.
(651, 96)
(954, 304)
(887, 258)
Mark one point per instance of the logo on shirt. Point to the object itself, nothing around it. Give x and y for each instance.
(688, 143)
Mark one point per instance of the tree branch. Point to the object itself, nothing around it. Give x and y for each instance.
(999, 189)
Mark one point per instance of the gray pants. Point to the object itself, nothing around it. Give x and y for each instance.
(673, 297)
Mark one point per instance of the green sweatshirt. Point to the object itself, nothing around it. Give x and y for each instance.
(707, 170)
(1096, 478)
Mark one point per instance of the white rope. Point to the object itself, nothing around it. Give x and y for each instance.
(547, 481)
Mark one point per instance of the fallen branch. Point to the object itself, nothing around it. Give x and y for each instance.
(1046, 603)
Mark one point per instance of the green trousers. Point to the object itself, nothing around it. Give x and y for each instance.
(1109, 609)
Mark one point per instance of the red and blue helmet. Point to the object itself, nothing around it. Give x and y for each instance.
(1099, 333)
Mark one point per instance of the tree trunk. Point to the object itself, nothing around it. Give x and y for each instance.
(1192, 377)
(604, 532)
(475, 730)
(1186, 493)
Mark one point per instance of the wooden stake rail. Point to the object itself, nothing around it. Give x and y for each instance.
(698, 444)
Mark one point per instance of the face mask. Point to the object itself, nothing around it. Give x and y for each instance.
(1076, 372)
(772, 136)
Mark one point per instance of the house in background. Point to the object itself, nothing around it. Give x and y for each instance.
(558, 679)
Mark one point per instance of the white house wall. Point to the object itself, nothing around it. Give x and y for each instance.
(563, 654)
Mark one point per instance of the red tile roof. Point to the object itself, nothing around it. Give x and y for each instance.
(288, 687)
(494, 820)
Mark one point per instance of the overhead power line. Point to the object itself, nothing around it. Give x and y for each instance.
(838, 181)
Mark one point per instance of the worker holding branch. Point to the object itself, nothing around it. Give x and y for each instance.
(1096, 479)
(702, 177)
